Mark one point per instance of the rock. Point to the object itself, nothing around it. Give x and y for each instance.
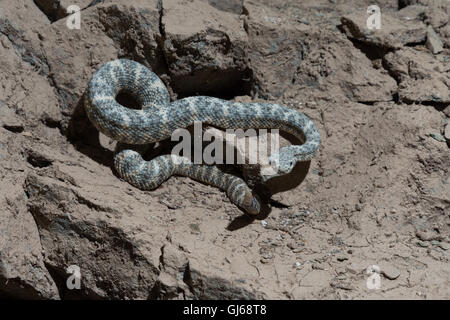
(422, 244)
(427, 235)
(395, 32)
(233, 6)
(423, 235)
(25, 91)
(217, 287)
(330, 68)
(173, 265)
(422, 78)
(134, 29)
(437, 137)
(341, 258)
(57, 9)
(437, 15)
(443, 245)
(413, 12)
(445, 35)
(21, 39)
(356, 267)
(204, 48)
(447, 132)
(389, 271)
(342, 284)
(269, 48)
(405, 3)
(104, 41)
(76, 223)
(9, 120)
(447, 111)
(434, 43)
(23, 273)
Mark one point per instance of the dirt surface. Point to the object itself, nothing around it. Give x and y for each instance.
(377, 193)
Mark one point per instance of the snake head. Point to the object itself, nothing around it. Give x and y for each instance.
(280, 164)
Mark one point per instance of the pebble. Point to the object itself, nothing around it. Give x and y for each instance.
(302, 20)
(437, 137)
(5, 42)
(447, 132)
(301, 213)
(422, 244)
(27, 134)
(434, 43)
(424, 235)
(264, 223)
(390, 271)
(341, 284)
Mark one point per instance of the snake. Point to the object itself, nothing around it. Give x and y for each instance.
(156, 118)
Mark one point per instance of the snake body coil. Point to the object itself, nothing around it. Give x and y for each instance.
(158, 118)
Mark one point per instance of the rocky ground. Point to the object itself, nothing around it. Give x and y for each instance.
(378, 192)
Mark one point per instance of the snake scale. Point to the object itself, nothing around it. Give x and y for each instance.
(157, 118)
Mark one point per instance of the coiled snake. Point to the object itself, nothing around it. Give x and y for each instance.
(158, 118)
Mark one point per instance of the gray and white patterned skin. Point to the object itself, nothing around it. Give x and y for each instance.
(158, 118)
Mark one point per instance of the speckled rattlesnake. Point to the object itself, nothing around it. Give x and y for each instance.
(158, 118)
